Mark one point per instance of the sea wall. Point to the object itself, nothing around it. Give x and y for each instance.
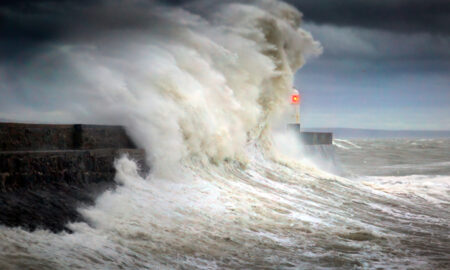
(48, 171)
(311, 138)
(32, 137)
(35, 169)
(316, 138)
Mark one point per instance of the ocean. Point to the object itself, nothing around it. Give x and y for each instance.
(389, 211)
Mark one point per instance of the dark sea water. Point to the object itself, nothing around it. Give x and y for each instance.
(390, 210)
(395, 157)
(416, 171)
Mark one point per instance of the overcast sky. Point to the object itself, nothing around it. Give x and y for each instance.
(386, 63)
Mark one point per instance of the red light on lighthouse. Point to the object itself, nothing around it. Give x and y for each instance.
(295, 98)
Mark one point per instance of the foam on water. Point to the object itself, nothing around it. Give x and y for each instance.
(225, 216)
(345, 144)
(434, 189)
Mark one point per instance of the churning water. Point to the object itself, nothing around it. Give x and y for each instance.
(200, 94)
(265, 214)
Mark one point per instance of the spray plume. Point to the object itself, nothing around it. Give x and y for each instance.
(185, 84)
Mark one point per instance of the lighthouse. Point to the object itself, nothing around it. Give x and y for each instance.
(294, 111)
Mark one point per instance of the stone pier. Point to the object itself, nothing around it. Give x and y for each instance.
(48, 171)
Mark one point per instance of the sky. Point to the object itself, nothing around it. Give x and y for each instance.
(385, 63)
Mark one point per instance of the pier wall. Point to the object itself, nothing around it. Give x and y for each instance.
(48, 171)
(32, 137)
(316, 138)
(312, 138)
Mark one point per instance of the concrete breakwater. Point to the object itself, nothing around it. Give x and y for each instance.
(311, 138)
(48, 171)
(32, 137)
(316, 138)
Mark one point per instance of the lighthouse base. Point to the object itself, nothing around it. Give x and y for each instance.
(312, 138)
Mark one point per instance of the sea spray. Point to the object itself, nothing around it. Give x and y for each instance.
(184, 85)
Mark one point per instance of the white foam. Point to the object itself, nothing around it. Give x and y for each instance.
(341, 143)
(434, 189)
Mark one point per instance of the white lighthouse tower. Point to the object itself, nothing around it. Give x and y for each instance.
(294, 112)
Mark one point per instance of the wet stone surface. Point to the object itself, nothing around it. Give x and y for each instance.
(42, 189)
(34, 137)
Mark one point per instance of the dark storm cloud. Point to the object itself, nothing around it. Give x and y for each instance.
(31, 22)
(379, 45)
(381, 32)
(25, 26)
(37, 20)
(362, 30)
(432, 16)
